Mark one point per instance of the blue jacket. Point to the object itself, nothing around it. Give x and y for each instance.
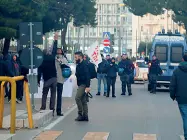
(112, 70)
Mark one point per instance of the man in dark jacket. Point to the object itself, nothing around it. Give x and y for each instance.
(101, 75)
(4, 69)
(112, 70)
(178, 91)
(127, 74)
(49, 73)
(83, 82)
(154, 71)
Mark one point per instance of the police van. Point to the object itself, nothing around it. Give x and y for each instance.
(169, 49)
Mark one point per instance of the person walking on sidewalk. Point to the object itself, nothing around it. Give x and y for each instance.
(126, 74)
(101, 75)
(178, 90)
(48, 71)
(83, 82)
(111, 77)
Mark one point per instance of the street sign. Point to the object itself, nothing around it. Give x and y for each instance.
(106, 35)
(106, 42)
(25, 57)
(37, 33)
(106, 49)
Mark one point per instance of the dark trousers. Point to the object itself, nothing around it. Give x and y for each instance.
(111, 81)
(124, 85)
(153, 82)
(52, 88)
(18, 93)
(59, 97)
(81, 101)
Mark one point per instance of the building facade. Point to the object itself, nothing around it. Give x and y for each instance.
(145, 28)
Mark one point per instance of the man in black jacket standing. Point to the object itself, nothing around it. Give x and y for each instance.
(154, 71)
(178, 90)
(83, 82)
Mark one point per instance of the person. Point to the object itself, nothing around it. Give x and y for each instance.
(4, 69)
(60, 59)
(178, 90)
(48, 70)
(83, 82)
(154, 71)
(111, 77)
(108, 59)
(127, 74)
(16, 71)
(101, 75)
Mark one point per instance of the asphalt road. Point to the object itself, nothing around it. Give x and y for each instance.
(123, 116)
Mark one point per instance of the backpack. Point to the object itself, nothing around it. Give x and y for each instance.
(92, 71)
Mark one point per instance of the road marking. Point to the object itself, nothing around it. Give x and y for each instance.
(48, 135)
(50, 126)
(182, 137)
(137, 136)
(96, 136)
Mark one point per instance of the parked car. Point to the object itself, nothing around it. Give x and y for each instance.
(141, 71)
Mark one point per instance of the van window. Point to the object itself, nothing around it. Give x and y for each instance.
(161, 52)
(176, 53)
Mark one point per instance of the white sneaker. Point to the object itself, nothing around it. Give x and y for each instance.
(18, 101)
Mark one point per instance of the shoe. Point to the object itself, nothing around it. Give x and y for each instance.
(107, 95)
(80, 118)
(9, 100)
(60, 114)
(104, 94)
(130, 94)
(151, 91)
(122, 93)
(86, 118)
(98, 94)
(6, 96)
(18, 101)
(114, 96)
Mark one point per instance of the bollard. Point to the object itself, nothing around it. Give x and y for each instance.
(2, 93)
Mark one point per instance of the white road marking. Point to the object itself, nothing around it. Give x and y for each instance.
(50, 126)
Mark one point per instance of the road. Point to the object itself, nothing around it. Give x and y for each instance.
(124, 116)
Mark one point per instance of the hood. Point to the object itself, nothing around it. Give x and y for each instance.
(183, 66)
(13, 59)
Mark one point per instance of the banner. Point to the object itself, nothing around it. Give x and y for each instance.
(94, 53)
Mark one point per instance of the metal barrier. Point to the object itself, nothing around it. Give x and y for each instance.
(12, 81)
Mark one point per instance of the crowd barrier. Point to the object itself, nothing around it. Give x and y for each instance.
(12, 81)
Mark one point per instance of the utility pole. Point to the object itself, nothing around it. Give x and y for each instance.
(136, 44)
(84, 40)
(119, 42)
(78, 36)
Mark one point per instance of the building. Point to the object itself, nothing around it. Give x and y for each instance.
(145, 28)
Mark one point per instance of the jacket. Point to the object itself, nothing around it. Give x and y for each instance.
(127, 65)
(102, 67)
(60, 60)
(178, 88)
(16, 69)
(4, 70)
(82, 74)
(155, 67)
(47, 69)
(112, 70)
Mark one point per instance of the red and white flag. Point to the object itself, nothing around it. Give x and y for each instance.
(94, 53)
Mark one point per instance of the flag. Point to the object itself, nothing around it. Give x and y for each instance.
(94, 53)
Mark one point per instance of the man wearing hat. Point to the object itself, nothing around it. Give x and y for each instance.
(126, 75)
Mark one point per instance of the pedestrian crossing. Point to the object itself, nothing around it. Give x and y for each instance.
(53, 135)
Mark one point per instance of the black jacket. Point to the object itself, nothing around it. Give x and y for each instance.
(127, 65)
(155, 67)
(82, 74)
(48, 68)
(4, 70)
(112, 70)
(102, 67)
(178, 87)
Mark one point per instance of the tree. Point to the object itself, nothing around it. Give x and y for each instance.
(143, 46)
(157, 7)
(12, 12)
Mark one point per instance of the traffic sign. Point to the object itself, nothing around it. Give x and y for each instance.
(25, 57)
(106, 49)
(106, 42)
(106, 35)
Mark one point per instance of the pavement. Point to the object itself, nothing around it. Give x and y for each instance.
(143, 116)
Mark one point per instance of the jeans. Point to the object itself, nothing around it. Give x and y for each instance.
(99, 78)
(59, 98)
(111, 81)
(183, 111)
